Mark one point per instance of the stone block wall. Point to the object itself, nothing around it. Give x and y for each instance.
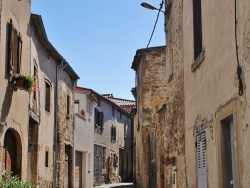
(65, 129)
(150, 67)
(171, 130)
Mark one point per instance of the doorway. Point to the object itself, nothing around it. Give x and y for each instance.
(12, 153)
(78, 169)
(228, 153)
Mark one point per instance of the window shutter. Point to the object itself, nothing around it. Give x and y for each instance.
(10, 46)
(19, 56)
(201, 157)
(96, 118)
(101, 120)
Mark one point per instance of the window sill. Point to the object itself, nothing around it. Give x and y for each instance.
(198, 61)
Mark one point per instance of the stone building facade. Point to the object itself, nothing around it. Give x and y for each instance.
(171, 137)
(113, 158)
(53, 103)
(202, 128)
(65, 126)
(216, 47)
(84, 137)
(28, 119)
(42, 108)
(14, 114)
(150, 93)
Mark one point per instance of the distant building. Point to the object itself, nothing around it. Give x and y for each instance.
(150, 94)
(112, 138)
(85, 103)
(125, 104)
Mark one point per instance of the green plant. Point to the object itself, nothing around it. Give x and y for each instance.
(9, 181)
(29, 81)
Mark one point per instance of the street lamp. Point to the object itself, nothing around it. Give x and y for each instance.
(151, 7)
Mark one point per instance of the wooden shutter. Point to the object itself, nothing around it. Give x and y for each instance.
(98, 154)
(14, 50)
(19, 53)
(10, 47)
(96, 118)
(201, 159)
(101, 120)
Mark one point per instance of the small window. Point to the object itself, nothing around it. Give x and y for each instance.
(77, 107)
(99, 119)
(197, 27)
(113, 133)
(34, 102)
(120, 116)
(68, 105)
(15, 50)
(46, 158)
(47, 96)
(35, 75)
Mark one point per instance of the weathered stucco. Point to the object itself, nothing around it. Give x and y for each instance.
(13, 102)
(211, 91)
(150, 67)
(84, 136)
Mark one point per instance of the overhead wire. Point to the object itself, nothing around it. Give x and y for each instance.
(159, 10)
(239, 71)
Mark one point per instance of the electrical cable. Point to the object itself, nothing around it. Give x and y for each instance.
(159, 10)
(239, 71)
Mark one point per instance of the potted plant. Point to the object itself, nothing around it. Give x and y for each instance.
(25, 82)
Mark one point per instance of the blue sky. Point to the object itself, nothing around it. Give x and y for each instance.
(99, 38)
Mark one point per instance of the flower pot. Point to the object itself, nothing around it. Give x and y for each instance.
(19, 83)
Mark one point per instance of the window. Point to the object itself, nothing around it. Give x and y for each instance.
(197, 26)
(46, 158)
(47, 96)
(34, 102)
(15, 50)
(77, 107)
(120, 116)
(99, 119)
(68, 105)
(113, 133)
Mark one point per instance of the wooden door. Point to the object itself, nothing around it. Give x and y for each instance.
(66, 171)
(10, 152)
(98, 154)
(78, 169)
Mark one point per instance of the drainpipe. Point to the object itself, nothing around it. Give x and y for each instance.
(60, 67)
